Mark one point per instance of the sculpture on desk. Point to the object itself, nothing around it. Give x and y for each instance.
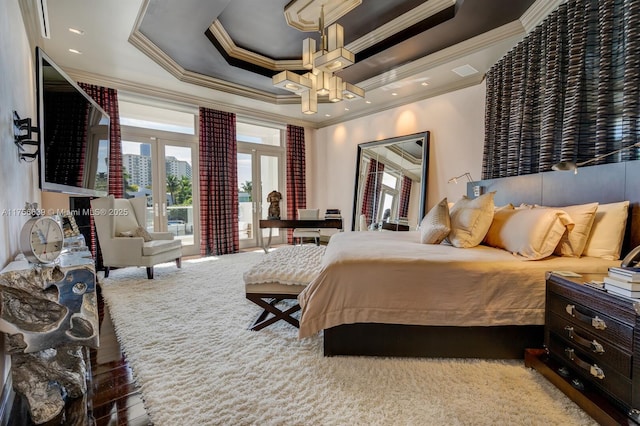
(274, 198)
(48, 316)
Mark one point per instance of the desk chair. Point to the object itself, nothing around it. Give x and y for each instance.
(302, 233)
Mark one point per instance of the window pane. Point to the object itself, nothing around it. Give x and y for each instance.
(149, 117)
(257, 134)
(389, 180)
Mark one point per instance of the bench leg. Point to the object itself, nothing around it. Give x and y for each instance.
(270, 308)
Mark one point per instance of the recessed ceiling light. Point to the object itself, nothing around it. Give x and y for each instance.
(327, 115)
(394, 94)
(346, 109)
(76, 31)
(465, 70)
(77, 52)
(368, 102)
(424, 83)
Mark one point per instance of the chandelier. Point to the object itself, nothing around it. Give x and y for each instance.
(322, 64)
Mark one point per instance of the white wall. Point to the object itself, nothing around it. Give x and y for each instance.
(18, 182)
(456, 123)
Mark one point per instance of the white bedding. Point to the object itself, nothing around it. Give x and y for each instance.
(389, 277)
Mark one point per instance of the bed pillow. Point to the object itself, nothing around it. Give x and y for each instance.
(531, 233)
(607, 232)
(436, 224)
(573, 242)
(470, 220)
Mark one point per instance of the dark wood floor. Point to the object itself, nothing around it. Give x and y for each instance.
(116, 400)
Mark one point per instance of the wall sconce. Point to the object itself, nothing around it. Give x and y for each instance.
(22, 135)
(455, 179)
(570, 165)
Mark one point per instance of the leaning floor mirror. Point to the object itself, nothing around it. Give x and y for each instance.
(391, 183)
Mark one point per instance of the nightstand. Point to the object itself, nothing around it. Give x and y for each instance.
(592, 348)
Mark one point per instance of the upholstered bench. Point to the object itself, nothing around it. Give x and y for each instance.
(281, 275)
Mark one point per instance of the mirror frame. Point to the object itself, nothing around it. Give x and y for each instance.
(424, 177)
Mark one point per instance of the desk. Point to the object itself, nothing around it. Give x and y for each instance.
(292, 223)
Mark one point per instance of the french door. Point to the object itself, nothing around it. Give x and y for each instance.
(162, 167)
(258, 175)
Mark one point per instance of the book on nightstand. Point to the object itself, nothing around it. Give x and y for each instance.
(625, 273)
(624, 288)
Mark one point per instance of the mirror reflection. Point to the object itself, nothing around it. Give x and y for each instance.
(391, 183)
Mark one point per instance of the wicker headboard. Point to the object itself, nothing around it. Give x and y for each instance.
(606, 183)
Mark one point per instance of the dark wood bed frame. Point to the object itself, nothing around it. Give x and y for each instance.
(605, 183)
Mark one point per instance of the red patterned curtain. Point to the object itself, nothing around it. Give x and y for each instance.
(405, 194)
(108, 101)
(218, 183)
(296, 183)
(372, 188)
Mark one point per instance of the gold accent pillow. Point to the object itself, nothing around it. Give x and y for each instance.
(436, 224)
(531, 233)
(607, 232)
(470, 220)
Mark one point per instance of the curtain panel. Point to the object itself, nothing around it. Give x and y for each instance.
(108, 101)
(372, 187)
(296, 181)
(405, 196)
(218, 183)
(568, 92)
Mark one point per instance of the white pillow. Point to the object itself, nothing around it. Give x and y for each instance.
(607, 232)
(470, 220)
(436, 224)
(532, 233)
(573, 242)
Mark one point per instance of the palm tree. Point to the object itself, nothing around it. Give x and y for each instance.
(172, 186)
(247, 187)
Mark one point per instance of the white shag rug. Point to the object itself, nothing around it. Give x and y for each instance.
(185, 335)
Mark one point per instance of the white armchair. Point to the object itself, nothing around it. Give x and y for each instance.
(120, 224)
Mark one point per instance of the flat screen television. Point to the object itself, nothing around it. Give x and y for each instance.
(73, 136)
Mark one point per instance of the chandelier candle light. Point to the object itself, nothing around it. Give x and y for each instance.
(322, 64)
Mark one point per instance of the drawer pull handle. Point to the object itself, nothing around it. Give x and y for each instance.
(594, 370)
(593, 345)
(595, 322)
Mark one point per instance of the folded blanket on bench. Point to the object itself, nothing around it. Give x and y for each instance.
(291, 265)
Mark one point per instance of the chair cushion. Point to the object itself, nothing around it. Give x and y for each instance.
(125, 218)
(160, 246)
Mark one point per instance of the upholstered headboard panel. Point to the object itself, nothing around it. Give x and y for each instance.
(606, 183)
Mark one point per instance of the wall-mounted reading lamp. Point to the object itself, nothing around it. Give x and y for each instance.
(570, 165)
(455, 179)
(477, 189)
(22, 135)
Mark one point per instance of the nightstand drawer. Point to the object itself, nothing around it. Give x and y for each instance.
(602, 326)
(588, 367)
(602, 351)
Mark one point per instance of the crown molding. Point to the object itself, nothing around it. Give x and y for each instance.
(400, 23)
(145, 45)
(182, 98)
(383, 32)
(538, 12)
(450, 54)
(231, 49)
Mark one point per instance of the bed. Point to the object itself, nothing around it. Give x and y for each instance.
(384, 293)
